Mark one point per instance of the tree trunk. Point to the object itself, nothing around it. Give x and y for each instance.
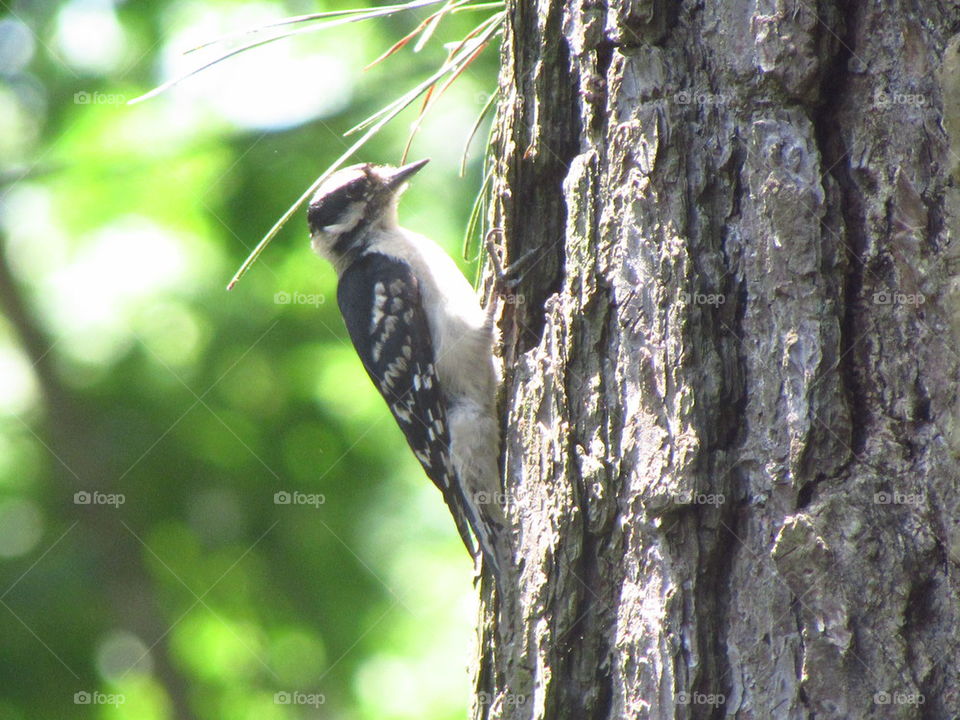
(731, 411)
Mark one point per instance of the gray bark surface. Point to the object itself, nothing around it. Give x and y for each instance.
(731, 405)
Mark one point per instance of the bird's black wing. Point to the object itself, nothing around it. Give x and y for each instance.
(379, 298)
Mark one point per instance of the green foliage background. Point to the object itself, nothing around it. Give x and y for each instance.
(127, 370)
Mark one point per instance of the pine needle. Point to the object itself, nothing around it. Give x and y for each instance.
(434, 96)
(382, 118)
(483, 29)
(473, 131)
(477, 6)
(459, 58)
(431, 27)
(476, 213)
(352, 18)
(280, 23)
(427, 26)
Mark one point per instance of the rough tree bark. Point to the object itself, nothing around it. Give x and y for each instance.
(731, 405)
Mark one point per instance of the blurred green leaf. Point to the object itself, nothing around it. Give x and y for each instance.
(130, 374)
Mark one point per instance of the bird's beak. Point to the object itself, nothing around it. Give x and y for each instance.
(401, 174)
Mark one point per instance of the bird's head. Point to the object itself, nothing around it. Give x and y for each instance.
(351, 203)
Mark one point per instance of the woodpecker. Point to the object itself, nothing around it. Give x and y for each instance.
(427, 345)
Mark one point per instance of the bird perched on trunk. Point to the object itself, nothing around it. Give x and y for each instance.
(417, 325)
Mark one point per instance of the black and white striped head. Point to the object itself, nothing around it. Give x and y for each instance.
(352, 202)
